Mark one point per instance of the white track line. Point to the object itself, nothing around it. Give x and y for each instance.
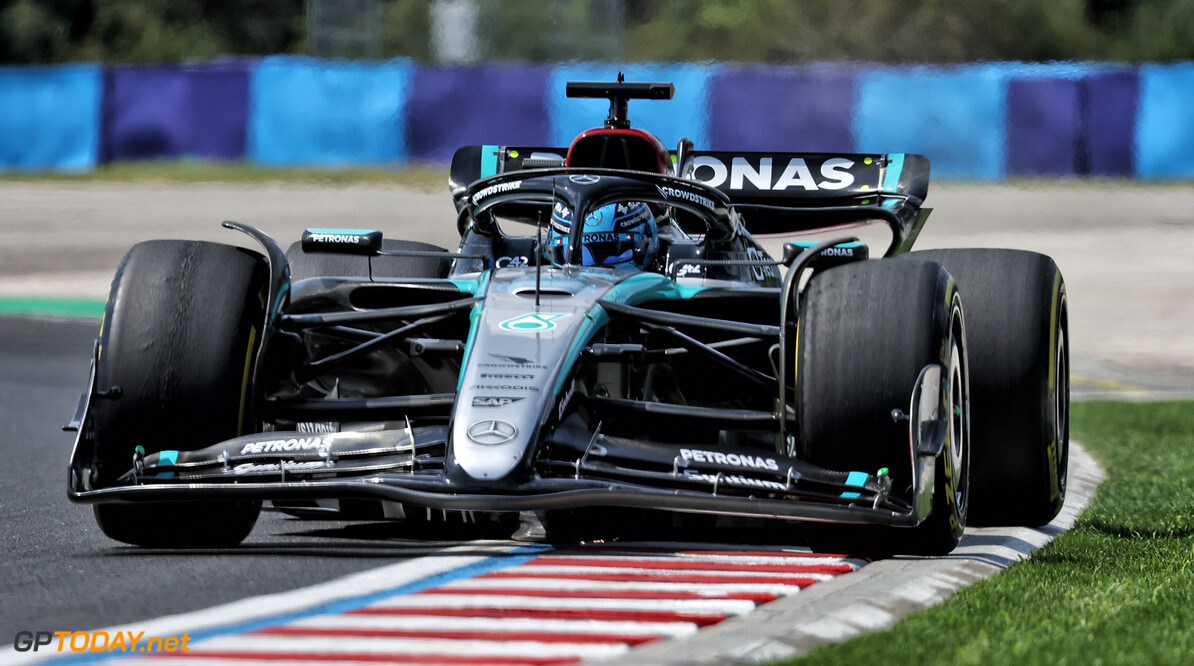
(711, 589)
(795, 560)
(630, 570)
(718, 606)
(358, 645)
(511, 624)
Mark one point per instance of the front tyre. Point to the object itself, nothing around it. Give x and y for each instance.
(181, 329)
(1017, 313)
(865, 332)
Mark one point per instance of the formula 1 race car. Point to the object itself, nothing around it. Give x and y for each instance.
(609, 334)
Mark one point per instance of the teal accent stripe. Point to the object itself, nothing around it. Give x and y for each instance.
(489, 161)
(474, 326)
(856, 479)
(353, 232)
(472, 286)
(808, 244)
(481, 286)
(687, 291)
(53, 308)
(595, 320)
(895, 166)
(166, 458)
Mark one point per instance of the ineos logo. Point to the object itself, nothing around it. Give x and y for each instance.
(584, 179)
(491, 433)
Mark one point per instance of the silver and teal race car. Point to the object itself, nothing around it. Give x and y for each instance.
(609, 336)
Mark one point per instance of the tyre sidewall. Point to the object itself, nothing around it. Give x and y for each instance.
(1017, 311)
(851, 375)
(179, 336)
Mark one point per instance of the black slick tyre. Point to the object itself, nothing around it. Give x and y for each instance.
(1016, 312)
(866, 330)
(305, 264)
(181, 327)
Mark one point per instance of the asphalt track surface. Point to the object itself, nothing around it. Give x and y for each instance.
(1125, 252)
(59, 571)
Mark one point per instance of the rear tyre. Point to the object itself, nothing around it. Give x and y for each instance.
(322, 264)
(1019, 359)
(865, 332)
(181, 328)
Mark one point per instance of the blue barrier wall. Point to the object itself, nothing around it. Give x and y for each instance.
(306, 111)
(953, 115)
(797, 109)
(453, 107)
(1109, 127)
(1165, 126)
(156, 112)
(1044, 122)
(49, 117)
(977, 122)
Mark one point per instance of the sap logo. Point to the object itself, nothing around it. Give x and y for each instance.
(492, 401)
(834, 174)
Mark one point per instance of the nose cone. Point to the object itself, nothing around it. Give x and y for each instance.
(508, 386)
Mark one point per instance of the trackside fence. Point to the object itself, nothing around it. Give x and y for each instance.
(975, 122)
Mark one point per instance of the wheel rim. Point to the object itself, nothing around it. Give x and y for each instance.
(958, 400)
(1061, 410)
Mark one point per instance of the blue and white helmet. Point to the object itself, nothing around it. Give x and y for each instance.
(621, 235)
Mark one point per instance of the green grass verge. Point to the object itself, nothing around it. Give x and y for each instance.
(54, 308)
(1117, 589)
(423, 176)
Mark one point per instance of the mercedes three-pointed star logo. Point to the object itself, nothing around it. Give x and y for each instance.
(491, 432)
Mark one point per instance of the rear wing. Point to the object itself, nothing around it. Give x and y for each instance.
(775, 193)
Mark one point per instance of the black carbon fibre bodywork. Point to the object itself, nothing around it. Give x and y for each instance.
(516, 384)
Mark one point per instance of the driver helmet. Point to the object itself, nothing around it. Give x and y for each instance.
(621, 235)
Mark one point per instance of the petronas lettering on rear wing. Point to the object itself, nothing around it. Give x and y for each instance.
(776, 193)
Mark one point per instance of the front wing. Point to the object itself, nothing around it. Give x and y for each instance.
(580, 469)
